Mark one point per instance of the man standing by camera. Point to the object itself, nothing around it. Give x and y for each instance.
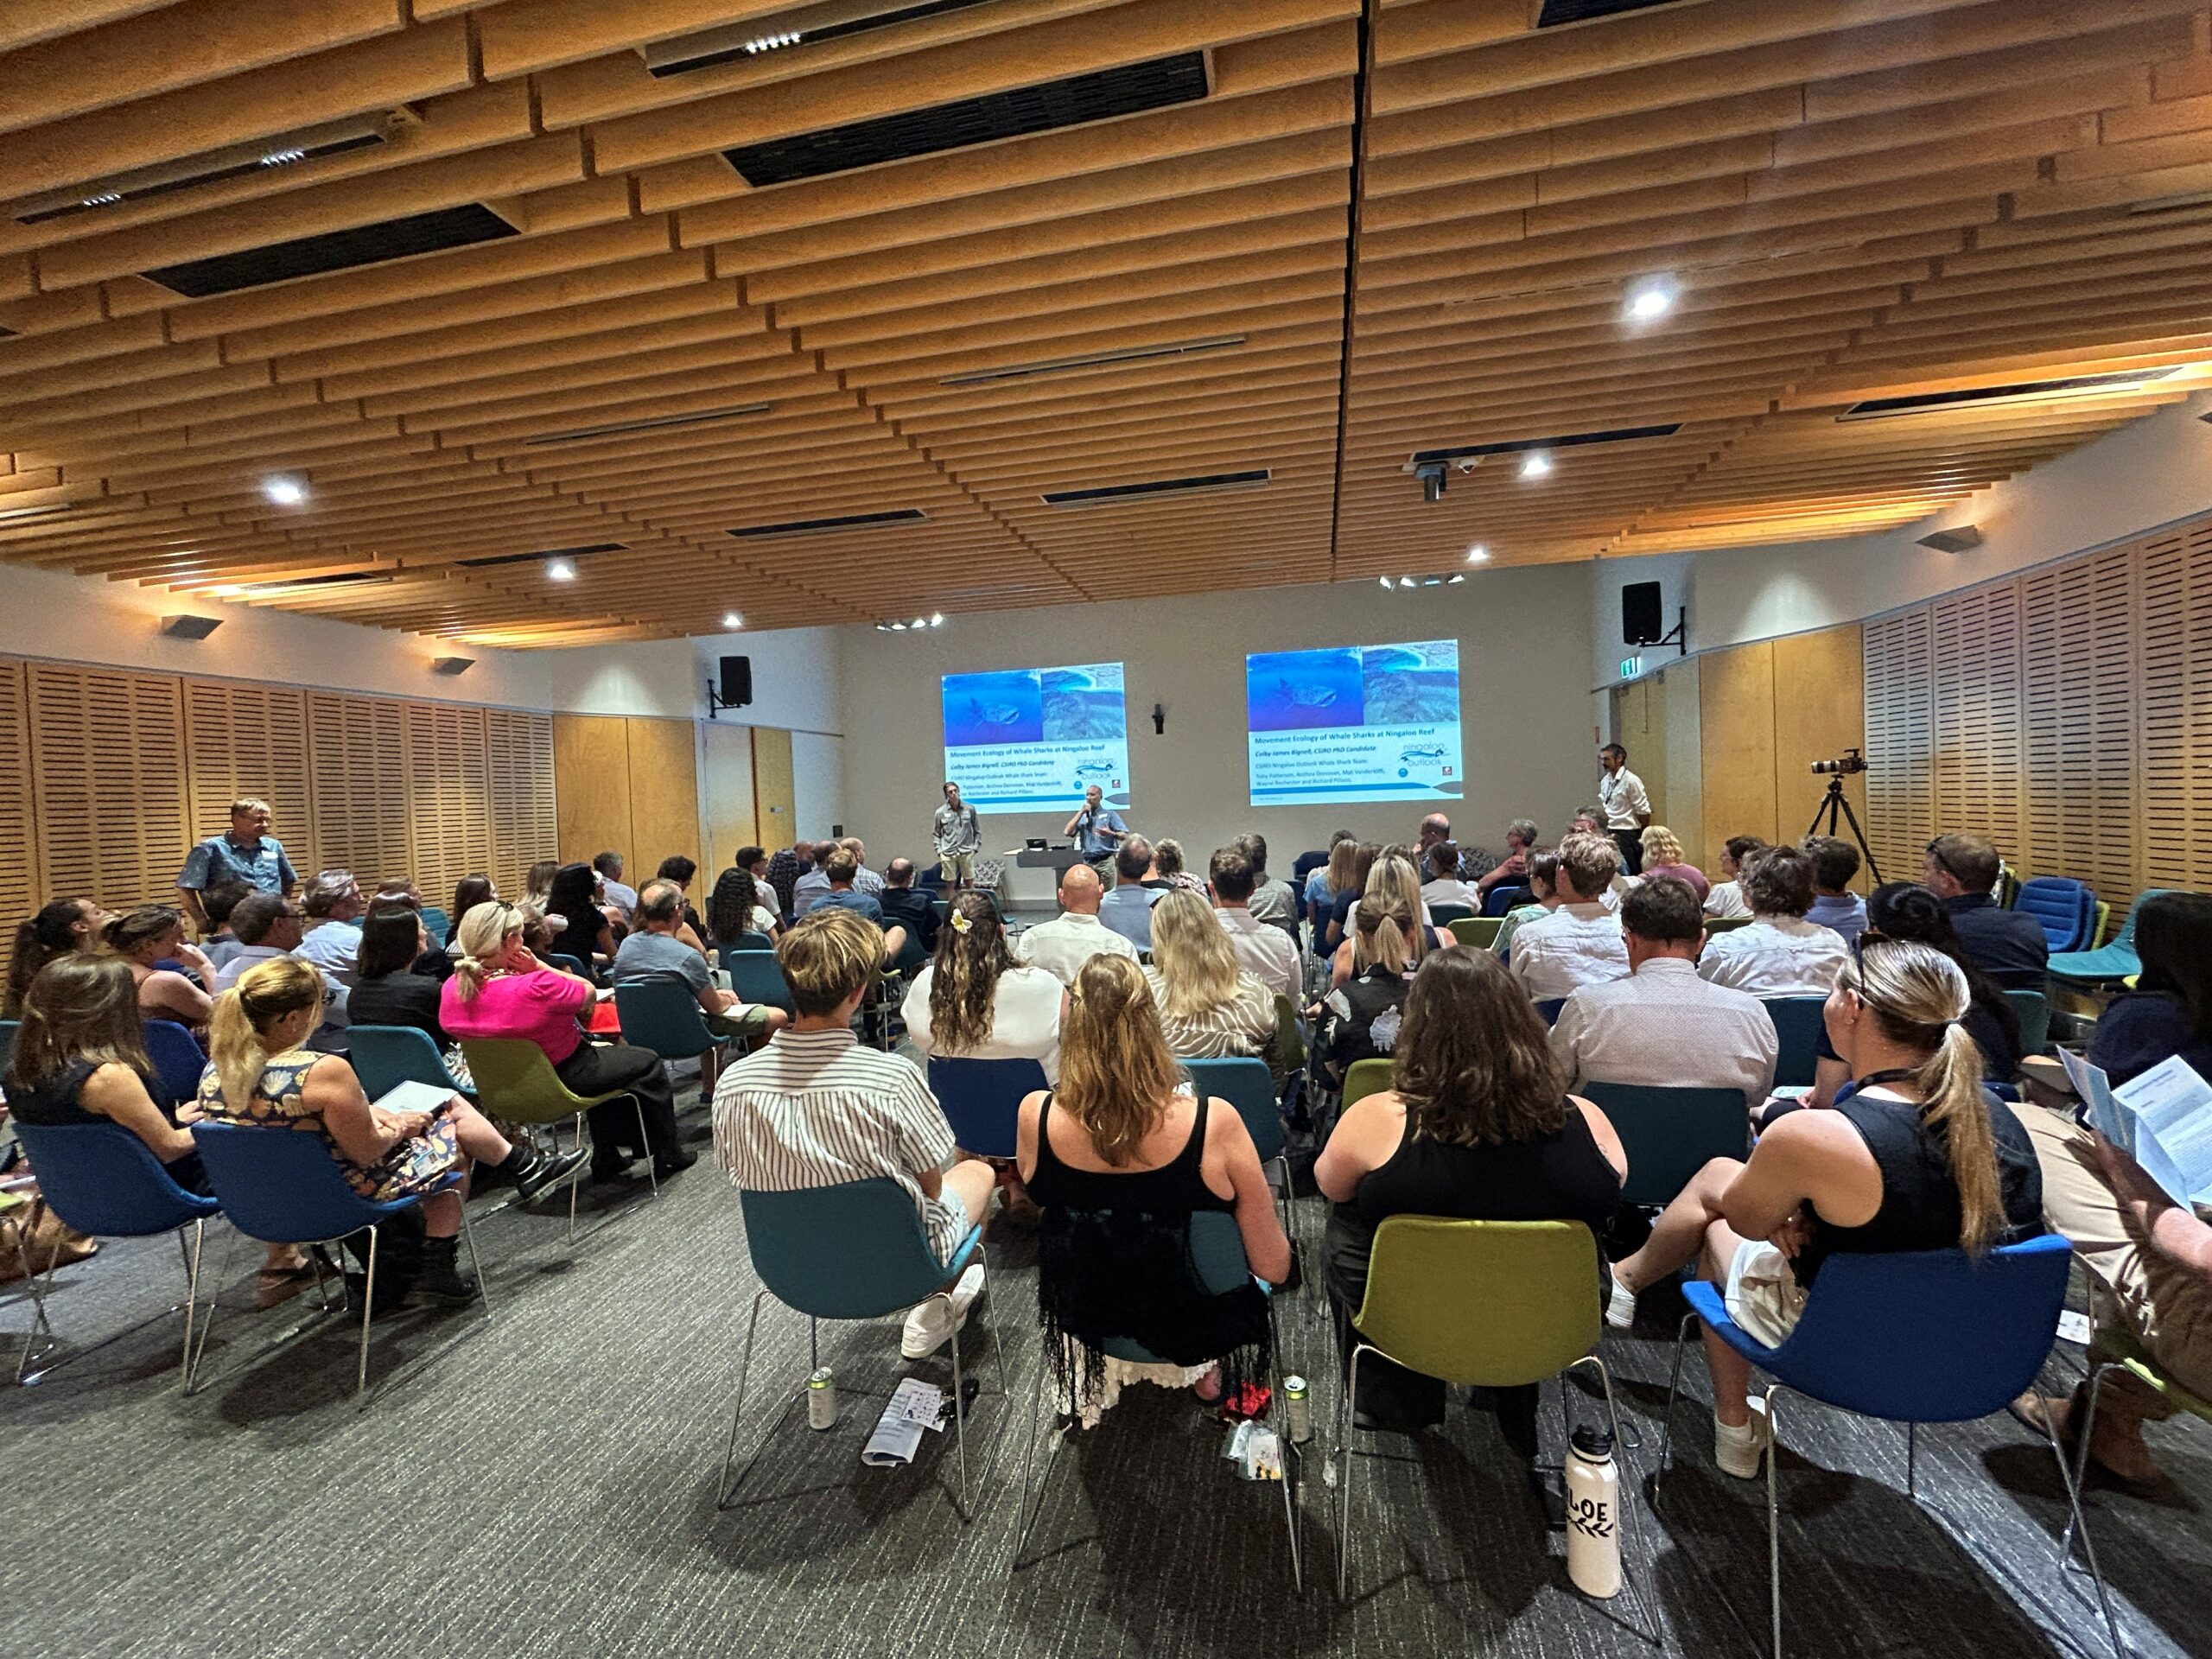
(1628, 808)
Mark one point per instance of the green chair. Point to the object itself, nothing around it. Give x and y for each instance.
(1366, 1077)
(1724, 923)
(517, 1083)
(2103, 921)
(1491, 1304)
(1288, 1033)
(1669, 1134)
(2034, 1009)
(1478, 932)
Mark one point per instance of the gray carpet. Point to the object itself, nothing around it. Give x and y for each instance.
(546, 1484)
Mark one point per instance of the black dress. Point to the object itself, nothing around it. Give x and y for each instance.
(53, 1102)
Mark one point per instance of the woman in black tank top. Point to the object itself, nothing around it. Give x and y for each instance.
(1478, 1127)
(1118, 1185)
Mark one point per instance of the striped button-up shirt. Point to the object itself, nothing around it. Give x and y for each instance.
(815, 1109)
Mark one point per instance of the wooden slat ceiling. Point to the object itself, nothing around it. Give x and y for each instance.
(1386, 226)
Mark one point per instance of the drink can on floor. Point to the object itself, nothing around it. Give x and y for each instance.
(1298, 1409)
(822, 1400)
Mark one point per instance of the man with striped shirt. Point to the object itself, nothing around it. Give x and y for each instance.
(816, 1108)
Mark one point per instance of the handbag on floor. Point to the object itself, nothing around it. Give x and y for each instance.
(31, 1234)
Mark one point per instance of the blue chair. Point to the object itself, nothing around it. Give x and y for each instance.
(1798, 1026)
(2108, 964)
(665, 1017)
(853, 1251)
(757, 976)
(1550, 1007)
(2066, 909)
(103, 1179)
(982, 1100)
(178, 1060)
(747, 942)
(282, 1187)
(571, 965)
(1911, 1338)
(384, 1057)
(1670, 1134)
(1218, 1261)
(1501, 899)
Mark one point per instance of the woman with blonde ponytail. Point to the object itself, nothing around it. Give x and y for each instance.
(258, 1074)
(1912, 1156)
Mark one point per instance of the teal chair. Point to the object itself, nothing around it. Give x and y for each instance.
(1669, 1134)
(1246, 1084)
(757, 976)
(2108, 964)
(1797, 1027)
(385, 1057)
(665, 1017)
(1488, 1304)
(1445, 915)
(2033, 1008)
(436, 924)
(8, 1030)
(747, 942)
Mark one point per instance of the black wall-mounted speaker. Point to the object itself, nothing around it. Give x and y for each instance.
(1639, 623)
(737, 678)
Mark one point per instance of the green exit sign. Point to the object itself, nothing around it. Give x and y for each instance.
(1631, 667)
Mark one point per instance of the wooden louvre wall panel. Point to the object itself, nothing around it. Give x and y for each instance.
(518, 754)
(357, 753)
(243, 739)
(2078, 623)
(20, 890)
(1900, 793)
(107, 751)
(448, 795)
(1975, 664)
(2176, 682)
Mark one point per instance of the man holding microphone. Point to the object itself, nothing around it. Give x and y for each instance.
(1097, 830)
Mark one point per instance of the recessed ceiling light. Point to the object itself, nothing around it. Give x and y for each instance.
(1455, 580)
(1405, 582)
(1535, 464)
(1478, 554)
(560, 570)
(937, 618)
(1386, 582)
(897, 627)
(1650, 299)
(284, 492)
(731, 619)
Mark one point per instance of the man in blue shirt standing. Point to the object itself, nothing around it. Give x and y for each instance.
(1097, 830)
(246, 853)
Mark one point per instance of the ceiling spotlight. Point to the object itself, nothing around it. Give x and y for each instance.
(1478, 554)
(1386, 582)
(560, 570)
(1535, 464)
(1651, 299)
(897, 627)
(1454, 581)
(284, 492)
(1431, 474)
(919, 622)
(937, 618)
(731, 619)
(1405, 582)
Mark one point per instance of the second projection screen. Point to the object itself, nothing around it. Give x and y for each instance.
(1035, 739)
(1354, 723)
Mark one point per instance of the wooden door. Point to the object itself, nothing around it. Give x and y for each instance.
(773, 792)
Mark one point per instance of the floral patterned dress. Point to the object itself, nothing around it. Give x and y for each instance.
(411, 1166)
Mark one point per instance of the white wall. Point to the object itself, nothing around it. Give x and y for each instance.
(1524, 648)
(818, 789)
(794, 678)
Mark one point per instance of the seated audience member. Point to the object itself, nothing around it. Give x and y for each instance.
(537, 933)
(1915, 1158)
(906, 906)
(976, 1000)
(1835, 906)
(1267, 953)
(742, 901)
(332, 938)
(216, 903)
(1664, 855)
(1477, 1125)
(1338, 928)
(1314, 858)
(1324, 884)
(783, 871)
(2170, 1010)
(146, 937)
(1359, 1019)
(1435, 829)
(1168, 871)
(842, 868)
(388, 988)
(623, 897)
(1391, 880)
(60, 929)
(1212, 1006)
(653, 952)
(1120, 1156)
(499, 988)
(815, 1107)
(1545, 898)
(813, 886)
(1273, 902)
(1128, 909)
(1062, 945)
(258, 1074)
(1900, 910)
(245, 852)
(1442, 885)
(1663, 1025)
(468, 893)
(1778, 952)
(538, 886)
(1587, 821)
(1579, 942)
(583, 931)
(80, 1058)
(2009, 945)
(267, 925)
(864, 880)
(1513, 870)
(1726, 900)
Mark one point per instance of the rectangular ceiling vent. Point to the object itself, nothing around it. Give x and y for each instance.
(1095, 360)
(329, 250)
(1113, 493)
(532, 558)
(1571, 441)
(1930, 403)
(825, 526)
(186, 173)
(1552, 13)
(651, 424)
(340, 579)
(1047, 107)
(831, 20)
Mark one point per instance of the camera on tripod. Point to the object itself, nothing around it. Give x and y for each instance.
(1852, 761)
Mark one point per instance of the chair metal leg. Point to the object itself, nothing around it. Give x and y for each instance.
(1025, 1512)
(959, 1417)
(1667, 1422)
(1279, 1412)
(1912, 1461)
(1773, 1524)
(744, 1366)
(1631, 1529)
(475, 1261)
(368, 1305)
(40, 1292)
(652, 1173)
(192, 1382)
(191, 1292)
(1347, 1456)
(573, 1182)
(2077, 1521)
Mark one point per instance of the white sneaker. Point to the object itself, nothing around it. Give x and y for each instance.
(929, 1325)
(1620, 1306)
(1737, 1451)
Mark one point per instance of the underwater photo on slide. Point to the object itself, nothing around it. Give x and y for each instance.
(1354, 723)
(1027, 739)
(1006, 707)
(1293, 690)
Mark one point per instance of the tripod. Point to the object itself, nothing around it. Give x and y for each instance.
(1835, 803)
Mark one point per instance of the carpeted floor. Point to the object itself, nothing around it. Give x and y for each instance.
(546, 1485)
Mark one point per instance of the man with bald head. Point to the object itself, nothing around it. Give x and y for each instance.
(1062, 945)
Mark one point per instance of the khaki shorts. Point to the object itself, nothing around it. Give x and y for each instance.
(958, 866)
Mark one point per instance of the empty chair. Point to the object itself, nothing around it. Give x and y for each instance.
(2066, 909)
(178, 1059)
(2108, 964)
(1797, 1027)
(384, 1057)
(1445, 915)
(756, 976)
(2033, 1008)
(1669, 1134)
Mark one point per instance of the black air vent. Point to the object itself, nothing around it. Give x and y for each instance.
(1095, 360)
(1573, 440)
(1114, 492)
(1555, 12)
(781, 32)
(340, 579)
(311, 255)
(1874, 409)
(284, 156)
(821, 526)
(651, 424)
(532, 558)
(1047, 107)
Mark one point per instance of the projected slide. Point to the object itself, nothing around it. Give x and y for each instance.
(1035, 739)
(1362, 723)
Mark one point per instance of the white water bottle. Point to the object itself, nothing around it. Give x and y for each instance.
(1594, 1533)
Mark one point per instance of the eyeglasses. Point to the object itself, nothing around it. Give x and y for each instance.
(1942, 862)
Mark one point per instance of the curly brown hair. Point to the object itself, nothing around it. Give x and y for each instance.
(971, 953)
(1473, 1062)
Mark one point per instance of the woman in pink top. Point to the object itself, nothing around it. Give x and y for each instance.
(499, 989)
(1664, 855)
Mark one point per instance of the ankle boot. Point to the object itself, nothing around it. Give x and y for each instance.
(441, 1279)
